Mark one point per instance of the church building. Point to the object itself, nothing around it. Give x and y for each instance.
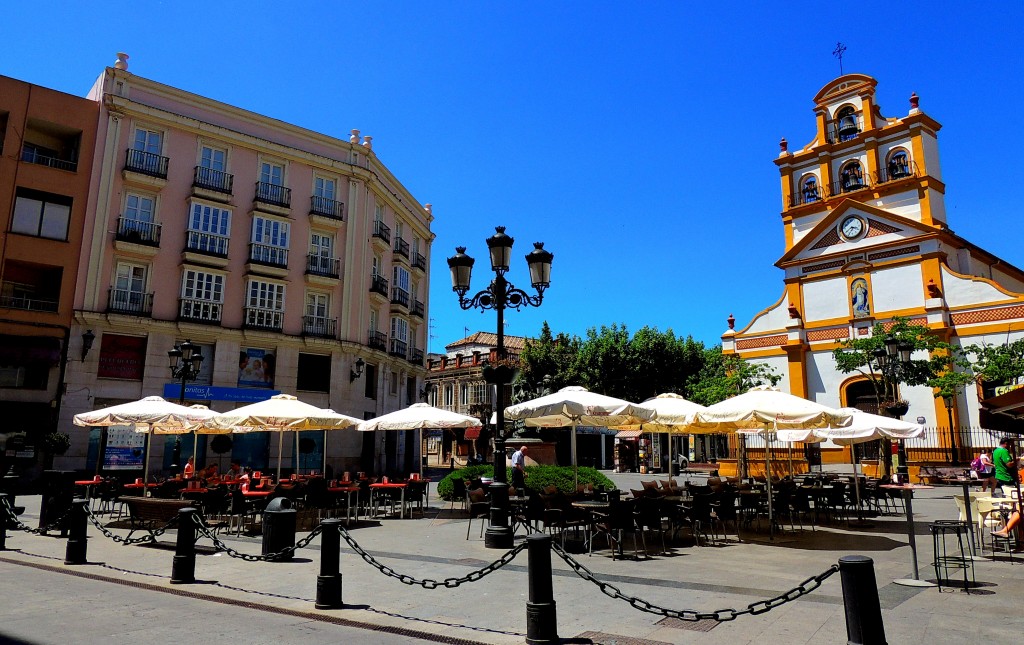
(867, 239)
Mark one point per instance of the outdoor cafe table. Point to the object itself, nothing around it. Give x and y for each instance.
(349, 491)
(377, 489)
(257, 493)
(908, 496)
(966, 484)
(135, 489)
(88, 484)
(590, 506)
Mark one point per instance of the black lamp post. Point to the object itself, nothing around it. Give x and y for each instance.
(499, 295)
(184, 360)
(893, 362)
(954, 454)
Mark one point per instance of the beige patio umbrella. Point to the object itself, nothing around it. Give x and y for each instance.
(281, 413)
(765, 410)
(151, 414)
(417, 417)
(668, 413)
(195, 430)
(574, 406)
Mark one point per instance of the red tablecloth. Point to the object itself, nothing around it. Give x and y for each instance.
(257, 493)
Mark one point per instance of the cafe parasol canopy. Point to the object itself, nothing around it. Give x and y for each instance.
(667, 413)
(152, 414)
(417, 417)
(281, 413)
(575, 406)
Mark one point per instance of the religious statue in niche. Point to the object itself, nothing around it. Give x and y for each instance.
(859, 297)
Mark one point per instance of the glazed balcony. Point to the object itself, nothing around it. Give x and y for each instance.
(263, 318)
(138, 232)
(199, 311)
(207, 244)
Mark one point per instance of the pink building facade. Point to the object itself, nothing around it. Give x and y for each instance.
(295, 261)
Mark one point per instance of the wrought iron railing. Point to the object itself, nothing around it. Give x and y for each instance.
(319, 326)
(416, 356)
(398, 348)
(805, 195)
(138, 232)
(381, 231)
(401, 247)
(325, 207)
(377, 340)
(379, 284)
(274, 256)
(262, 318)
(31, 155)
(198, 310)
(207, 243)
(146, 163)
(274, 194)
(846, 128)
(896, 171)
(126, 301)
(215, 180)
(417, 308)
(399, 296)
(419, 261)
(317, 264)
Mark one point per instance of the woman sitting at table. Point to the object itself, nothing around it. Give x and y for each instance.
(233, 472)
(210, 473)
(1010, 525)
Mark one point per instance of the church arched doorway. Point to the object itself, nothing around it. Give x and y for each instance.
(860, 394)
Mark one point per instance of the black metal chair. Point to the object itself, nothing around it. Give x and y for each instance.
(479, 507)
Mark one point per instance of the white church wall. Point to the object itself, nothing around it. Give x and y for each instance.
(826, 299)
(897, 288)
(772, 320)
(962, 292)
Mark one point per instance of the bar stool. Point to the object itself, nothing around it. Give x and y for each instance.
(947, 555)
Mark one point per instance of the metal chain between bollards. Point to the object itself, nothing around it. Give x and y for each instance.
(21, 526)
(153, 535)
(449, 583)
(269, 557)
(721, 615)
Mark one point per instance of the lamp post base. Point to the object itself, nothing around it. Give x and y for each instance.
(499, 534)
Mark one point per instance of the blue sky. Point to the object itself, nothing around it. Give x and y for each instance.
(635, 139)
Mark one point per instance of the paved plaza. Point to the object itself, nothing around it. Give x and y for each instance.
(124, 594)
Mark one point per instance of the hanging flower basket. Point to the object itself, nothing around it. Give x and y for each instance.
(896, 408)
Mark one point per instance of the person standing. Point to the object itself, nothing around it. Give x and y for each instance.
(190, 468)
(519, 470)
(1004, 467)
(987, 472)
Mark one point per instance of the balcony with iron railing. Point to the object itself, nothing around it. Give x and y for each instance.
(809, 194)
(849, 183)
(126, 301)
(381, 231)
(34, 155)
(207, 243)
(401, 247)
(319, 326)
(325, 207)
(398, 348)
(320, 265)
(419, 261)
(895, 172)
(200, 311)
(137, 231)
(377, 340)
(379, 285)
(29, 303)
(400, 297)
(845, 129)
(263, 318)
(273, 194)
(268, 255)
(146, 163)
(416, 356)
(417, 308)
(210, 179)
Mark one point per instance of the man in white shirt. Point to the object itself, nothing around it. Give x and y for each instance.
(519, 470)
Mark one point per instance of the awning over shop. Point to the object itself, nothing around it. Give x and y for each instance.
(1010, 403)
(24, 350)
(629, 434)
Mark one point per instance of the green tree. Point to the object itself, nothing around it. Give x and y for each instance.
(723, 376)
(549, 356)
(998, 364)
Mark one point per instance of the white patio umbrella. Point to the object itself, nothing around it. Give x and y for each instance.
(281, 413)
(668, 413)
(763, 410)
(417, 417)
(149, 415)
(575, 406)
(195, 430)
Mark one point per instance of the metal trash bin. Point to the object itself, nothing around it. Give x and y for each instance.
(279, 519)
(58, 491)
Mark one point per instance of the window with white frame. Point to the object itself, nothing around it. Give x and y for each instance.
(464, 394)
(208, 228)
(375, 268)
(401, 276)
(374, 320)
(202, 295)
(272, 173)
(139, 207)
(147, 140)
(378, 213)
(265, 304)
(129, 291)
(325, 188)
(213, 158)
(318, 304)
(321, 247)
(399, 329)
(269, 241)
(399, 229)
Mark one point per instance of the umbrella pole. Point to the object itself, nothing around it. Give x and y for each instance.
(792, 475)
(421, 453)
(295, 462)
(280, 442)
(572, 446)
(195, 447)
(671, 461)
(768, 479)
(145, 472)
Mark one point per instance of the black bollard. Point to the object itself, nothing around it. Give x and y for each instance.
(328, 583)
(4, 520)
(183, 568)
(860, 596)
(77, 523)
(541, 619)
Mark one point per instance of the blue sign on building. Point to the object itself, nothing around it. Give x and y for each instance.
(172, 391)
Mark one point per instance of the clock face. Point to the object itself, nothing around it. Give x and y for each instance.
(852, 227)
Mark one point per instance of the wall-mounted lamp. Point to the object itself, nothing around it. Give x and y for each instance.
(88, 338)
(358, 371)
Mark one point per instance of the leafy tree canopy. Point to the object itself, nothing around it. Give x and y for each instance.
(723, 376)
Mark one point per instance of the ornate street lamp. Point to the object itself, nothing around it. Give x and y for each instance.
(184, 360)
(954, 454)
(499, 295)
(893, 363)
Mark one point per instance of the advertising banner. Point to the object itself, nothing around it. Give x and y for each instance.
(125, 449)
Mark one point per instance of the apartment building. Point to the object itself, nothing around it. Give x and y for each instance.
(46, 151)
(295, 262)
